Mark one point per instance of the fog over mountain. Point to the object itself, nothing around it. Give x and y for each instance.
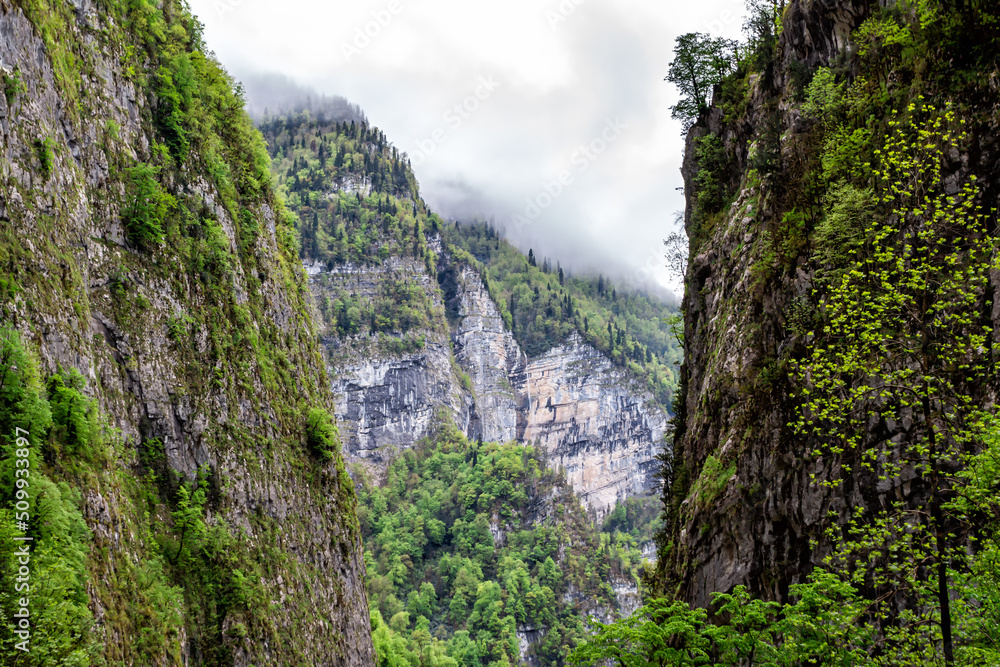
(274, 94)
(551, 119)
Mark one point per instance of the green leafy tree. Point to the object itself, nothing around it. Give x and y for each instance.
(904, 343)
(189, 521)
(700, 62)
(762, 27)
(147, 206)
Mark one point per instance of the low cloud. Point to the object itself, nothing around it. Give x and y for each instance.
(556, 85)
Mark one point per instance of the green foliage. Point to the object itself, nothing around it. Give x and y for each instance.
(828, 622)
(713, 479)
(147, 206)
(43, 151)
(322, 435)
(402, 305)
(899, 350)
(700, 62)
(762, 27)
(13, 86)
(882, 38)
(891, 278)
(61, 622)
(823, 95)
(448, 587)
(711, 182)
(842, 233)
(820, 627)
(845, 156)
(309, 154)
(189, 521)
(75, 430)
(400, 309)
(176, 86)
(904, 339)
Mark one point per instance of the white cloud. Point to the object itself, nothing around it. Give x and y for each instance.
(560, 81)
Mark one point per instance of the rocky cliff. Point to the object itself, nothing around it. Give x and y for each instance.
(595, 424)
(388, 398)
(591, 418)
(142, 246)
(487, 351)
(761, 168)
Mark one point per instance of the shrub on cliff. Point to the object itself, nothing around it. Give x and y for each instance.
(147, 206)
(322, 435)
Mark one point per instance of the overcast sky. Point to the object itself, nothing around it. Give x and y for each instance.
(549, 116)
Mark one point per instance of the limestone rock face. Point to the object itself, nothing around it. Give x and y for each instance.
(601, 427)
(388, 404)
(387, 397)
(487, 351)
(594, 422)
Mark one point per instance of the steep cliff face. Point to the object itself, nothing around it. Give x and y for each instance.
(388, 398)
(758, 267)
(195, 343)
(487, 351)
(596, 425)
(595, 422)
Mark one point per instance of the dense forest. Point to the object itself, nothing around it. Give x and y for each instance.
(354, 193)
(469, 543)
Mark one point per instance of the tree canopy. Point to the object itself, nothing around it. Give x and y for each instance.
(700, 62)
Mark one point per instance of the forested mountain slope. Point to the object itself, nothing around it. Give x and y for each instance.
(187, 501)
(543, 306)
(413, 324)
(479, 554)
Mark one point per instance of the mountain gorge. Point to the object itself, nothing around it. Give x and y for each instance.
(417, 320)
(198, 373)
(260, 405)
(428, 364)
